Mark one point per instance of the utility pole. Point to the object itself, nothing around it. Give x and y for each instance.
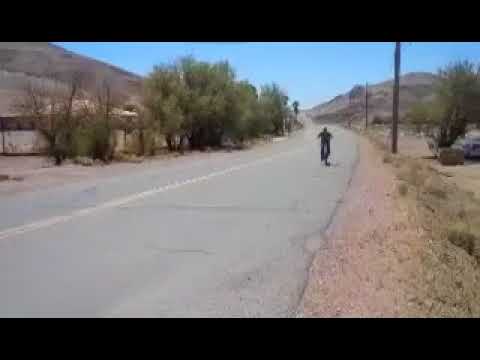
(2, 128)
(366, 105)
(396, 95)
(350, 96)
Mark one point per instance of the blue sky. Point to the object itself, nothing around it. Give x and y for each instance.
(310, 72)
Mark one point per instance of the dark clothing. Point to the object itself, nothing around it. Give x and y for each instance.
(325, 138)
(325, 150)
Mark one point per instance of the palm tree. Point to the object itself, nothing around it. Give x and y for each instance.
(295, 106)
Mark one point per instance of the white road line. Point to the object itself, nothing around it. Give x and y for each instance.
(131, 198)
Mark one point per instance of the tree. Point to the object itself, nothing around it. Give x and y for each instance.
(166, 100)
(206, 104)
(458, 94)
(421, 117)
(295, 106)
(456, 104)
(274, 107)
(50, 103)
(101, 109)
(243, 121)
(209, 89)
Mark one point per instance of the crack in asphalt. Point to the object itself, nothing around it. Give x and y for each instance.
(221, 208)
(177, 251)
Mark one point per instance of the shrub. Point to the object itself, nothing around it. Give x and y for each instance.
(437, 192)
(381, 120)
(81, 143)
(403, 189)
(101, 145)
(435, 187)
(146, 143)
(460, 235)
(83, 160)
(387, 159)
(412, 174)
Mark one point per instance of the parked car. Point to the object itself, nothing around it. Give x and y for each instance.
(470, 145)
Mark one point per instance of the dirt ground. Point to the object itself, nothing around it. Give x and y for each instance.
(357, 274)
(466, 177)
(388, 251)
(38, 172)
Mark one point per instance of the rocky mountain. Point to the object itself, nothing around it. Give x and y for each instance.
(414, 87)
(20, 62)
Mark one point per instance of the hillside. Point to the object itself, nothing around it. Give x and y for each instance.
(21, 61)
(414, 87)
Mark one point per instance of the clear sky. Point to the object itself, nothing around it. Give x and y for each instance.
(310, 72)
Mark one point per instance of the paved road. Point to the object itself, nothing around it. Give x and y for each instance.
(231, 234)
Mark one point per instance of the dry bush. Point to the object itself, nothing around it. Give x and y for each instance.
(397, 163)
(127, 157)
(437, 192)
(434, 186)
(462, 214)
(460, 234)
(83, 160)
(403, 189)
(412, 173)
(387, 159)
(448, 282)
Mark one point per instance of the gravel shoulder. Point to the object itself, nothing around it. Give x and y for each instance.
(356, 274)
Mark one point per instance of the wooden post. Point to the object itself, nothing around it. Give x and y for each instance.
(366, 105)
(396, 93)
(2, 128)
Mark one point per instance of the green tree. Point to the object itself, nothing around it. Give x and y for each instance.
(204, 103)
(164, 97)
(295, 106)
(274, 107)
(458, 96)
(421, 116)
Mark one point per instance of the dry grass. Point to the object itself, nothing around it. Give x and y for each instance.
(127, 157)
(447, 283)
(403, 189)
(437, 192)
(461, 235)
(4, 177)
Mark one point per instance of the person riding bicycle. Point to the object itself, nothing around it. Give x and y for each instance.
(325, 138)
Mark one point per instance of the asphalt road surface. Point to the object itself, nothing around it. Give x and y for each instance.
(227, 235)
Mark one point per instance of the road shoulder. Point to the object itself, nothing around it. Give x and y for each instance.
(396, 247)
(352, 275)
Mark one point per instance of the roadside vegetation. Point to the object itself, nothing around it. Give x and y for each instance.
(454, 108)
(187, 104)
(450, 220)
(445, 214)
(74, 122)
(447, 220)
